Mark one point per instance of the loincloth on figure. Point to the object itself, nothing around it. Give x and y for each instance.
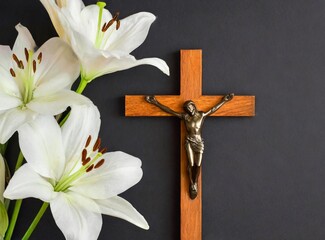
(197, 145)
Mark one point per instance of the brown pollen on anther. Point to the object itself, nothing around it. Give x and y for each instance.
(15, 58)
(21, 65)
(97, 144)
(90, 168)
(12, 72)
(39, 57)
(107, 25)
(100, 163)
(118, 24)
(26, 54)
(88, 141)
(103, 28)
(34, 66)
(84, 154)
(86, 161)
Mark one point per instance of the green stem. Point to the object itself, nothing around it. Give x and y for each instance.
(82, 85)
(34, 224)
(13, 219)
(64, 119)
(20, 160)
(18, 203)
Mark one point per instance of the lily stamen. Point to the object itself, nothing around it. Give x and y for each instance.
(97, 144)
(101, 38)
(104, 27)
(100, 163)
(21, 65)
(84, 155)
(34, 66)
(39, 57)
(12, 72)
(88, 141)
(107, 25)
(15, 58)
(86, 161)
(26, 54)
(90, 168)
(87, 166)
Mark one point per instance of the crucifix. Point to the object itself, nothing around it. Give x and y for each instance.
(190, 89)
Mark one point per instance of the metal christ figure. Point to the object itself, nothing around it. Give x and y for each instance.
(194, 143)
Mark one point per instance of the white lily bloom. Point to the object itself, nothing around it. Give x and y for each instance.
(102, 42)
(35, 82)
(67, 168)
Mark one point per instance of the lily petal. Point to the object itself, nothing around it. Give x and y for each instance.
(7, 84)
(130, 62)
(110, 65)
(57, 103)
(24, 40)
(119, 172)
(120, 208)
(84, 121)
(8, 101)
(74, 7)
(53, 11)
(11, 120)
(57, 56)
(132, 33)
(41, 144)
(81, 44)
(27, 183)
(90, 21)
(74, 220)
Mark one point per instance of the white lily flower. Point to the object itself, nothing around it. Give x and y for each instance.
(102, 42)
(35, 82)
(67, 168)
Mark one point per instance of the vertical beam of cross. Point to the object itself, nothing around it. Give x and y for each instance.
(190, 89)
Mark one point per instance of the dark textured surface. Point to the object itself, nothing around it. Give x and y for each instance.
(263, 176)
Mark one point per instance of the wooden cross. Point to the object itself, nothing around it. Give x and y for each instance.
(191, 89)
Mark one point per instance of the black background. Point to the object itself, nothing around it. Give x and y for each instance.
(263, 177)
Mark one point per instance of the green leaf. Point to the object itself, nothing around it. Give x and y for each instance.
(3, 220)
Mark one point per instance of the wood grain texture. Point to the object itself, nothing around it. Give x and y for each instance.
(191, 89)
(240, 106)
(191, 74)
